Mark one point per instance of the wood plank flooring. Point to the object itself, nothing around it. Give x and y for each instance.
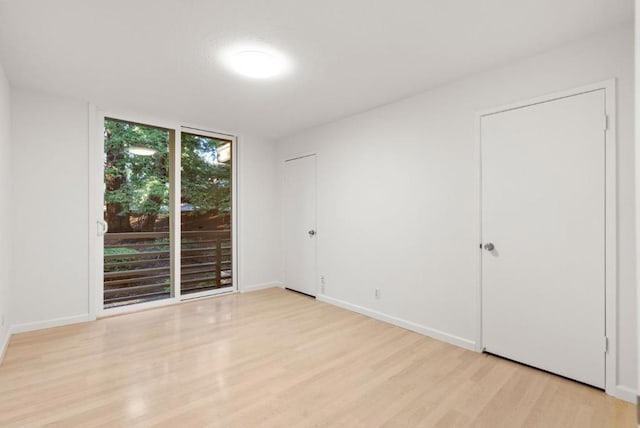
(274, 358)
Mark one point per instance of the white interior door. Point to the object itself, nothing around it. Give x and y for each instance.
(543, 211)
(300, 224)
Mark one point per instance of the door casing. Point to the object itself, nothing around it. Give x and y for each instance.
(609, 87)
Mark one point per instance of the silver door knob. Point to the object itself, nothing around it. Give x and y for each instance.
(489, 246)
(312, 232)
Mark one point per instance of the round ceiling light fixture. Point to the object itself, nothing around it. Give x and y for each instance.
(142, 151)
(256, 62)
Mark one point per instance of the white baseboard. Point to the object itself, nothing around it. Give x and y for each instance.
(57, 322)
(262, 286)
(427, 331)
(625, 393)
(4, 344)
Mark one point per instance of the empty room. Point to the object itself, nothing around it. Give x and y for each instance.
(344, 213)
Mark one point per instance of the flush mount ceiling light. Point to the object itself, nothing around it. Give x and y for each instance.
(142, 151)
(256, 62)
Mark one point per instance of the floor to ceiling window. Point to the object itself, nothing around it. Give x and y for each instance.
(155, 177)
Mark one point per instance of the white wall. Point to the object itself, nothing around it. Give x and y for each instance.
(51, 201)
(396, 193)
(259, 245)
(50, 273)
(5, 209)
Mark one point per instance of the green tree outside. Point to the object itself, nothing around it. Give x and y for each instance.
(137, 187)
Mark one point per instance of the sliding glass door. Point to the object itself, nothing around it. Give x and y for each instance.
(151, 181)
(137, 245)
(205, 213)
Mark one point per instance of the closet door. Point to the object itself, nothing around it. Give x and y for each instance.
(543, 227)
(300, 224)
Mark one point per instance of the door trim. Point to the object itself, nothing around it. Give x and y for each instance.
(611, 227)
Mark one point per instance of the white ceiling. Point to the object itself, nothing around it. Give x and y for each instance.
(159, 56)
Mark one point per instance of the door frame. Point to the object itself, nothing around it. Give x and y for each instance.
(96, 203)
(611, 226)
(318, 289)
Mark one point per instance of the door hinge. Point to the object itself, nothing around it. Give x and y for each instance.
(606, 122)
(606, 344)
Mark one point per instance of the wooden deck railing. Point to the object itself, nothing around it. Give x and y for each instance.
(137, 265)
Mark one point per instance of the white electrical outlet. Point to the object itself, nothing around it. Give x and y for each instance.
(322, 283)
(377, 293)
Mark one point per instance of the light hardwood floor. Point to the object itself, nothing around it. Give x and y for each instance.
(274, 358)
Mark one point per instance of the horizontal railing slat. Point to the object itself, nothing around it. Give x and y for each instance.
(160, 253)
(135, 262)
(128, 290)
(196, 280)
(111, 283)
(135, 297)
(141, 262)
(205, 288)
(118, 274)
(133, 255)
(147, 235)
(136, 244)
